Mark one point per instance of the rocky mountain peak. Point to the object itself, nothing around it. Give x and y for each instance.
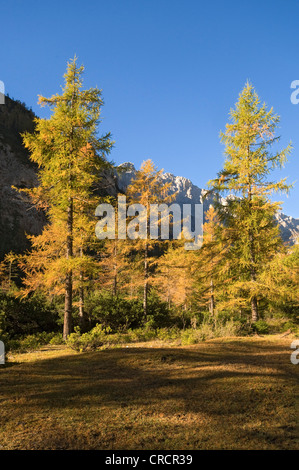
(188, 192)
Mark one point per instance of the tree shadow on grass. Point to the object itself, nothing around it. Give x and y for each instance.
(231, 386)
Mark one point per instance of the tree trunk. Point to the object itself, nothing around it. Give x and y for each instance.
(9, 273)
(184, 310)
(131, 288)
(254, 306)
(168, 290)
(254, 310)
(67, 326)
(212, 300)
(81, 301)
(82, 316)
(145, 288)
(115, 270)
(115, 286)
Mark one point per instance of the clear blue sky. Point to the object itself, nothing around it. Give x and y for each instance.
(170, 71)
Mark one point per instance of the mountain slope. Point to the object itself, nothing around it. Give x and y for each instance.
(17, 217)
(188, 193)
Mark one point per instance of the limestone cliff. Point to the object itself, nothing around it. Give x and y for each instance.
(17, 217)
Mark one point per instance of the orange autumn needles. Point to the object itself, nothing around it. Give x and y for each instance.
(70, 157)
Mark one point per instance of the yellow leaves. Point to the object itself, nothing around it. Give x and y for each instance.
(41, 100)
(148, 168)
(174, 275)
(147, 187)
(212, 222)
(221, 180)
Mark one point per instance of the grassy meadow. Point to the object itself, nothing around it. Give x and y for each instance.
(232, 393)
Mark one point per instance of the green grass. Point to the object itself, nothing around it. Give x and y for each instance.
(237, 393)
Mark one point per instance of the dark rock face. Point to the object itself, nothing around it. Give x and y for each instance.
(17, 217)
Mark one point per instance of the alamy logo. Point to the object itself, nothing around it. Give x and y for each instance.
(2, 353)
(157, 222)
(2, 93)
(294, 96)
(295, 354)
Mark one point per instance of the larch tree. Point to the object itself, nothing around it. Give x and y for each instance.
(8, 271)
(174, 278)
(146, 188)
(114, 265)
(280, 279)
(70, 157)
(209, 261)
(251, 155)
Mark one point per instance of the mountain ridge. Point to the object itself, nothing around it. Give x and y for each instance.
(189, 192)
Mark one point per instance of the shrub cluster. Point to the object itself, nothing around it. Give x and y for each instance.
(33, 342)
(22, 317)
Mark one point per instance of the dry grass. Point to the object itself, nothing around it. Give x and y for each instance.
(237, 393)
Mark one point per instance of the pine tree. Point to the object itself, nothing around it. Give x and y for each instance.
(70, 157)
(249, 212)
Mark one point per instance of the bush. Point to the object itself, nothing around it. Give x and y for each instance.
(92, 340)
(56, 339)
(120, 313)
(261, 327)
(141, 334)
(289, 325)
(116, 312)
(191, 336)
(209, 330)
(32, 342)
(231, 328)
(100, 337)
(168, 334)
(20, 317)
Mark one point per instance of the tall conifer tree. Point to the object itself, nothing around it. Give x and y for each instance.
(249, 214)
(70, 157)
